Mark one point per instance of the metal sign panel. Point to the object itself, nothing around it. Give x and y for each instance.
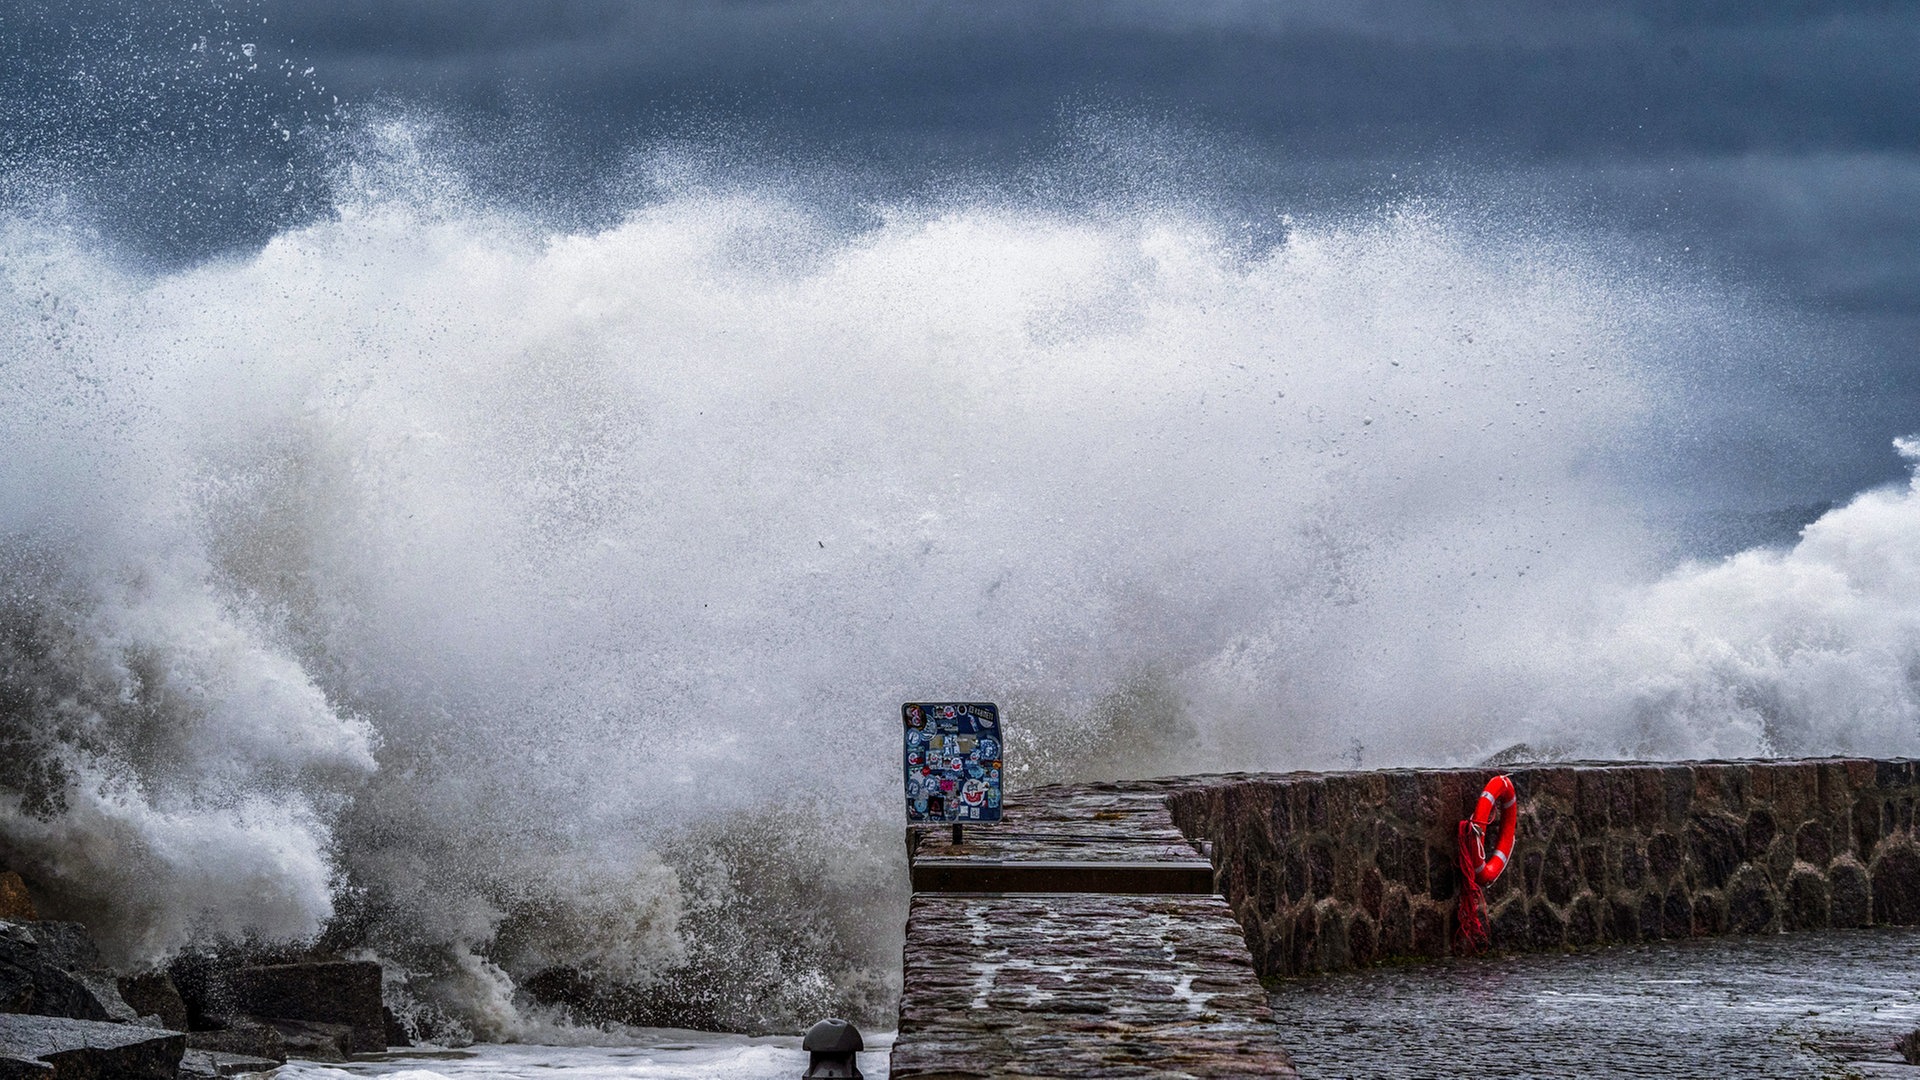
(953, 760)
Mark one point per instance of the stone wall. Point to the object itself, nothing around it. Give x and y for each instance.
(1328, 871)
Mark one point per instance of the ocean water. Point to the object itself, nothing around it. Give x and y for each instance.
(528, 605)
(648, 1055)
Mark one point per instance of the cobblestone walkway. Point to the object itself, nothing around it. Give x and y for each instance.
(1822, 1004)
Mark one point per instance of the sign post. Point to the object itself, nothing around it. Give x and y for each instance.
(952, 762)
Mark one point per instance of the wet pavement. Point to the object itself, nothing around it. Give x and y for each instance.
(1822, 1004)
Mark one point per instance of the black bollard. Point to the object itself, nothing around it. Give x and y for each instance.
(833, 1043)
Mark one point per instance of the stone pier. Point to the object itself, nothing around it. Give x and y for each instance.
(1082, 937)
(1009, 974)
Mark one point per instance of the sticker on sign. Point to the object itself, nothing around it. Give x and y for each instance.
(952, 760)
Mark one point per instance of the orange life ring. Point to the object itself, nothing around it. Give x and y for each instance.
(1500, 797)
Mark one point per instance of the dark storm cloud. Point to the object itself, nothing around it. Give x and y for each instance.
(1779, 138)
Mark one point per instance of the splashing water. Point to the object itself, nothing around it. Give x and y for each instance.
(531, 609)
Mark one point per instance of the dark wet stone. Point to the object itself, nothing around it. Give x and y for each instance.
(1750, 904)
(1896, 885)
(1811, 844)
(1546, 928)
(1530, 866)
(1396, 924)
(1892, 775)
(1676, 915)
(1403, 796)
(1866, 824)
(1805, 901)
(1508, 924)
(1306, 927)
(53, 969)
(1372, 891)
(1362, 941)
(1633, 865)
(153, 994)
(1314, 794)
(1432, 930)
(1709, 914)
(1319, 857)
(1759, 833)
(1851, 901)
(1583, 920)
(1593, 866)
(1620, 791)
(344, 992)
(1625, 923)
(1294, 877)
(1680, 784)
(1663, 856)
(1652, 906)
(1590, 807)
(59, 1047)
(1716, 844)
(245, 1036)
(1559, 878)
(1443, 875)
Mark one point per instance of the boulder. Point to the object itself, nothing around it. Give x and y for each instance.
(313, 1040)
(53, 969)
(61, 1048)
(212, 1063)
(244, 1036)
(153, 994)
(344, 992)
(15, 904)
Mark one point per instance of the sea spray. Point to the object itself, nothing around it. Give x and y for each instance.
(532, 609)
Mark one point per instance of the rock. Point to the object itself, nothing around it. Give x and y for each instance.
(1750, 904)
(153, 994)
(1807, 906)
(314, 1040)
(246, 1036)
(345, 992)
(210, 1063)
(1852, 904)
(87, 1049)
(53, 969)
(15, 904)
(1717, 844)
(1909, 1047)
(1896, 885)
(396, 1031)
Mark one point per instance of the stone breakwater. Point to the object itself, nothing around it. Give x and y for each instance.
(1332, 871)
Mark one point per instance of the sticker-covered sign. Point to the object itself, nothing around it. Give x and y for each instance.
(953, 761)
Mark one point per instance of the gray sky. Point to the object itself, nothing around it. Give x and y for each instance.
(1774, 144)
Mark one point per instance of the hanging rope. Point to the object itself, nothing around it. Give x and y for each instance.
(1478, 868)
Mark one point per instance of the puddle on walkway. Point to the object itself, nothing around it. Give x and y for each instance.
(1825, 1004)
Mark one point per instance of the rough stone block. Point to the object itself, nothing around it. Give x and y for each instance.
(1866, 825)
(15, 903)
(1758, 833)
(1676, 915)
(1432, 929)
(1396, 924)
(153, 994)
(53, 969)
(1717, 845)
(1559, 877)
(1583, 921)
(1632, 863)
(196, 1064)
(88, 1049)
(1812, 845)
(1362, 940)
(1507, 924)
(1590, 806)
(1709, 914)
(1806, 902)
(1546, 927)
(345, 992)
(245, 1037)
(1664, 856)
(1851, 894)
(1896, 885)
(1624, 923)
(1651, 915)
(1593, 866)
(1750, 902)
(312, 1040)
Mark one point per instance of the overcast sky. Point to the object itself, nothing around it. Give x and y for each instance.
(1778, 144)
